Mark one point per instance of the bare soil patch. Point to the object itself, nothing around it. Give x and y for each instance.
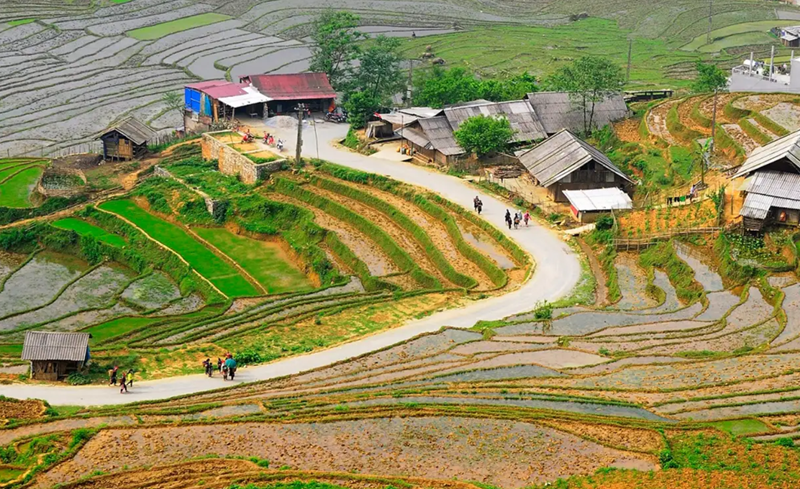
(504, 453)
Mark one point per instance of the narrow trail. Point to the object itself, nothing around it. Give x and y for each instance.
(557, 272)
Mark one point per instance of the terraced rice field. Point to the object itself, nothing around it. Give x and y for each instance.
(93, 63)
(587, 389)
(84, 228)
(215, 269)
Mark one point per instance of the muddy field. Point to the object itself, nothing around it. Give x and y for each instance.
(504, 453)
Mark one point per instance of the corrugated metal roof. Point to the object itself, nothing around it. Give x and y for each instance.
(562, 154)
(556, 111)
(520, 115)
(251, 96)
(756, 206)
(294, 86)
(409, 115)
(598, 199)
(415, 137)
(207, 84)
(41, 345)
(774, 184)
(440, 134)
(133, 129)
(786, 147)
(228, 89)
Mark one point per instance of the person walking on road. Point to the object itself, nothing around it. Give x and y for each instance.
(112, 376)
(130, 377)
(508, 218)
(516, 221)
(123, 383)
(219, 364)
(526, 218)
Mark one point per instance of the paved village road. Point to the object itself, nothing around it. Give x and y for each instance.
(557, 272)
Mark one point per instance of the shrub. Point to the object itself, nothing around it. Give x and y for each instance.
(785, 442)
(77, 378)
(604, 223)
(543, 311)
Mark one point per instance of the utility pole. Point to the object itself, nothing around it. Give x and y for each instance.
(710, 17)
(299, 150)
(713, 122)
(410, 93)
(628, 73)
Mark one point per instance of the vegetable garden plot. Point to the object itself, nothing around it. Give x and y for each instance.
(214, 268)
(94, 290)
(49, 272)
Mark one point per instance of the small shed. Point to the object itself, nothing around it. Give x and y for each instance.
(772, 198)
(55, 355)
(126, 140)
(566, 162)
(588, 205)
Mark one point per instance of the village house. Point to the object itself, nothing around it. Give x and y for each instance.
(126, 140)
(566, 162)
(209, 102)
(55, 355)
(286, 92)
(432, 138)
(557, 111)
(771, 184)
(789, 36)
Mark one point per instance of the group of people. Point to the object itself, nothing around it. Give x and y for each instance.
(518, 218)
(269, 140)
(477, 204)
(226, 367)
(125, 380)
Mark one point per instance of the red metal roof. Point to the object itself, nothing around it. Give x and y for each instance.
(227, 90)
(296, 86)
(206, 84)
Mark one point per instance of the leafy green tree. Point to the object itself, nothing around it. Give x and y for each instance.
(174, 102)
(335, 45)
(589, 80)
(440, 87)
(378, 71)
(710, 78)
(484, 135)
(360, 106)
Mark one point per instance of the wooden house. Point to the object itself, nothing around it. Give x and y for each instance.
(126, 140)
(566, 162)
(55, 355)
(772, 184)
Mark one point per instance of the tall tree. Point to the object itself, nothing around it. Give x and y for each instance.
(335, 45)
(378, 72)
(174, 102)
(589, 80)
(710, 78)
(440, 87)
(484, 135)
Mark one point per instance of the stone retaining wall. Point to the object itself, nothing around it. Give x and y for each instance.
(232, 162)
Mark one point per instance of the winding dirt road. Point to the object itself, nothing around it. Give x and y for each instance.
(557, 272)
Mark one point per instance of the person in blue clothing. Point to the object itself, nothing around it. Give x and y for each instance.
(230, 365)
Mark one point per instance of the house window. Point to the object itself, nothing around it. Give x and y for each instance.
(609, 177)
(567, 178)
